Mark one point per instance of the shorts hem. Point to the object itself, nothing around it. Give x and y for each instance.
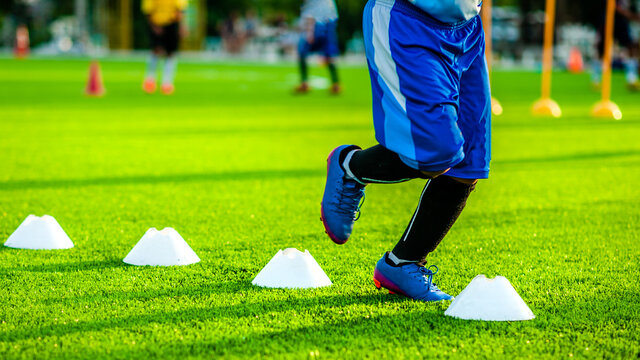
(468, 174)
(432, 167)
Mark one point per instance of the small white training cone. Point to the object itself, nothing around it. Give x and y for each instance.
(39, 233)
(489, 300)
(292, 269)
(161, 248)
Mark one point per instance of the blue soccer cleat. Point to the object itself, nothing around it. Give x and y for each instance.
(410, 280)
(341, 199)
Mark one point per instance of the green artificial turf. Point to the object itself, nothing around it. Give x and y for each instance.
(236, 165)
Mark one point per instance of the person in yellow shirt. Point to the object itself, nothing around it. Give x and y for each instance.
(165, 24)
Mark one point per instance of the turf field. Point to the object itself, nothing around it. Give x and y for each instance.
(236, 164)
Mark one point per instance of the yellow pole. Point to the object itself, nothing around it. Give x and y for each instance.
(547, 55)
(605, 107)
(545, 106)
(606, 61)
(496, 108)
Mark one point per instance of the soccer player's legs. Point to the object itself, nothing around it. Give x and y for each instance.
(149, 83)
(416, 98)
(349, 169)
(170, 43)
(331, 51)
(622, 35)
(379, 165)
(304, 48)
(444, 197)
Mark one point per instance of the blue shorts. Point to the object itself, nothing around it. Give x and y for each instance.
(430, 85)
(325, 41)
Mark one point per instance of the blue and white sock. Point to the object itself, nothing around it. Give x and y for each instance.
(152, 65)
(170, 66)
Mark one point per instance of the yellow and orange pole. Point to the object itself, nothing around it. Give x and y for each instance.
(545, 106)
(496, 107)
(605, 107)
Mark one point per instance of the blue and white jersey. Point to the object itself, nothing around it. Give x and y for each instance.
(322, 11)
(450, 11)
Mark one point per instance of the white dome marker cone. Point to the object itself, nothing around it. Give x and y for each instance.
(161, 248)
(39, 233)
(489, 300)
(292, 269)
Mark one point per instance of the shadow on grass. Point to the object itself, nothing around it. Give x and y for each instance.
(156, 179)
(340, 338)
(261, 174)
(225, 313)
(276, 332)
(235, 131)
(425, 327)
(68, 267)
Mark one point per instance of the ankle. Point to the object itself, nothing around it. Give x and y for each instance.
(393, 260)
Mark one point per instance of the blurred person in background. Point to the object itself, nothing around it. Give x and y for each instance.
(252, 24)
(626, 12)
(21, 17)
(233, 33)
(165, 19)
(319, 21)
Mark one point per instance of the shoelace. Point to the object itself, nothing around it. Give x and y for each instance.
(427, 273)
(351, 199)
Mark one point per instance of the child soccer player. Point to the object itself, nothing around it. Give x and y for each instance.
(164, 17)
(432, 119)
(319, 19)
(624, 15)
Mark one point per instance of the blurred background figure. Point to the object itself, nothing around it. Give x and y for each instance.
(22, 20)
(233, 32)
(626, 13)
(319, 22)
(165, 25)
(252, 24)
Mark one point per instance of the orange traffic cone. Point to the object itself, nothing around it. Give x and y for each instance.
(94, 85)
(575, 63)
(21, 49)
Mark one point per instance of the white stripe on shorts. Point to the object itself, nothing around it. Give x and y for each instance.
(382, 52)
(397, 126)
